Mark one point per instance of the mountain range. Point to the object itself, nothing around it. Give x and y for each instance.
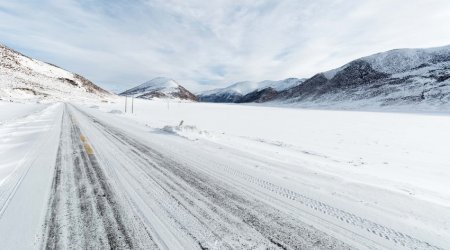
(400, 77)
(24, 78)
(397, 77)
(246, 91)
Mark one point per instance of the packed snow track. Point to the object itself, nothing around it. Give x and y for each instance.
(111, 189)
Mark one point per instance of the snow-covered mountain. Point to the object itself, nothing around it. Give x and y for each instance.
(401, 77)
(24, 78)
(160, 87)
(243, 91)
(419, 77)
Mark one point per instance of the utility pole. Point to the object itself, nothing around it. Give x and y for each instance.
(125, 104)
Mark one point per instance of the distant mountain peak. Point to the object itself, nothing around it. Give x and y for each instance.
(157, 83)
(236, 91)
(160, 87)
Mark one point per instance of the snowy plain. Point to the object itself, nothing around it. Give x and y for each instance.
(372, 180)
(392, 168)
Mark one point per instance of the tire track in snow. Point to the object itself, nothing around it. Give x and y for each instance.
(169, 169)
(220, 204)
(376, 229)
(84, 210)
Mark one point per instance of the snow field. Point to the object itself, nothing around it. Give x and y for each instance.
(27, 156)
(391, 168)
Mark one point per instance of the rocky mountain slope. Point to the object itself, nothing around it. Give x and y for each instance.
(419, 77)
(401, 77)
(248, 91)
(24, 78)
(160, 87)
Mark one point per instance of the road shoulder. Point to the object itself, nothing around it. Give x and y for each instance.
(22, 218)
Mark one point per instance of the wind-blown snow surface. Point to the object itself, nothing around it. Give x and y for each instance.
(391, 168)
(13, 110)
(13, 138)
(28, 143)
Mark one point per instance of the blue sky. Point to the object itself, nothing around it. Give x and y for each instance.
(207, 44)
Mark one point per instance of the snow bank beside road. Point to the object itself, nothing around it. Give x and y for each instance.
(27, 156)
(19, 141)
(186, 131)
(12, 110)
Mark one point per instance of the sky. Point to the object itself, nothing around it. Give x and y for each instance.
(209, 44)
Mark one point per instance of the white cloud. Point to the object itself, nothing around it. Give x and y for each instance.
(206, 44)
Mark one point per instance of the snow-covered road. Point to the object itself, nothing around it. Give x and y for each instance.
(181, 206)
(112, 183)
(84, 211)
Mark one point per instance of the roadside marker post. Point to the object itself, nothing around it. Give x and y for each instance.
(125, 104)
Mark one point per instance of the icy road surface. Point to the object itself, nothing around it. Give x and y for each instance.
(93, 183)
